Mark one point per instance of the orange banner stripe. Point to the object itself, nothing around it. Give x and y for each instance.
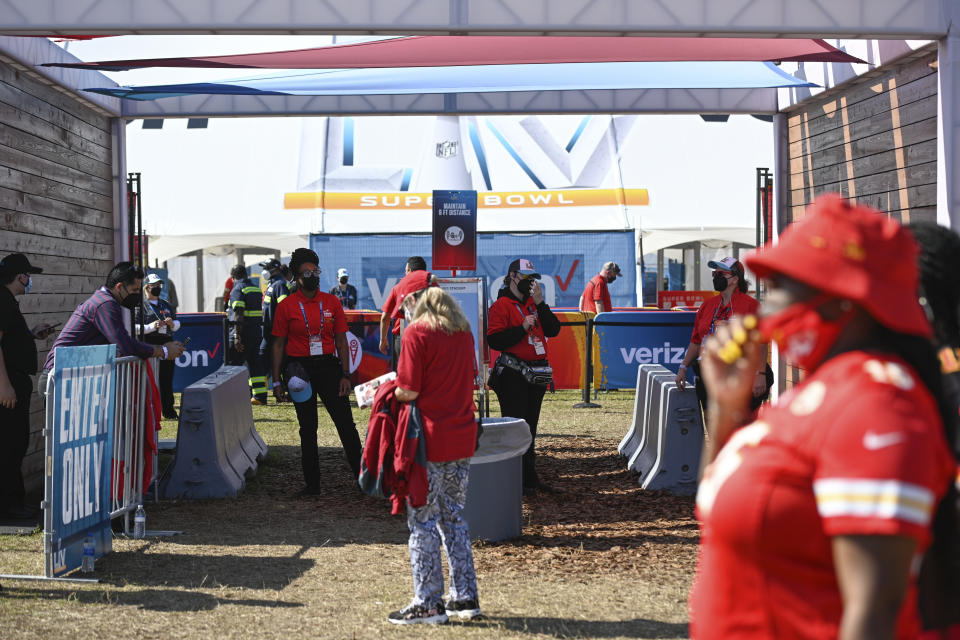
(485, 199)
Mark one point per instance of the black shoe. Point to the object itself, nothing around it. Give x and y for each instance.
(464, 609)
(171, 415)
(419, 614)
(307, 491)
(19, 512)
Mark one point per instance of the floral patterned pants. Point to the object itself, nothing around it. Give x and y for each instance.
(440, 522)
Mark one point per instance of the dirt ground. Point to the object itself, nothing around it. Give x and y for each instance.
(599, 558)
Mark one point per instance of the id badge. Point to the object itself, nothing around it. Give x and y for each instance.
(316, 345)
(537, 346)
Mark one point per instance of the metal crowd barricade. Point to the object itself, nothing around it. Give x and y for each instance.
(128, 486)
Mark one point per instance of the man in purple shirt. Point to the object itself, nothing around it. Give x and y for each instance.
(99, 320)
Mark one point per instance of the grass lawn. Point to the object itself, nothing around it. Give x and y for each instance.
(598, 559)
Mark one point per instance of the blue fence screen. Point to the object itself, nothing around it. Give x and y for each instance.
(630, 338)
(566, 261)
(204, 354)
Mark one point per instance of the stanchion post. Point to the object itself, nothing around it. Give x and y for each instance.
(585, 403)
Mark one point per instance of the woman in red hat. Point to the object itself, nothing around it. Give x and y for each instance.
(814, 514)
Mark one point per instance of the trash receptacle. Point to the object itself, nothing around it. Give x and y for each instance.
(494, 509)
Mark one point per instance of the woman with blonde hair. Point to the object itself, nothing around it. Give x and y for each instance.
(437, 369)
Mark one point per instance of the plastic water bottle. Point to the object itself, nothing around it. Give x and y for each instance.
(140, 523)
(89, 554)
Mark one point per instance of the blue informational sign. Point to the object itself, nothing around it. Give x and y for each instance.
(470, 295)
(80, 449)
(454, 230)
(630, 338)
(204, 354)
(566, 261)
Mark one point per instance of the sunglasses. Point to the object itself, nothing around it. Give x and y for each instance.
(725, 274)
(309, 274)
(528, 276)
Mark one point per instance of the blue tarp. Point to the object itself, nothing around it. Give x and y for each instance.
(485, 78)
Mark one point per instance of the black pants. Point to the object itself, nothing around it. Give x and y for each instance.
(702, 390)
(164, 375)
(16, 437)
(166, 386)
(252, 335)
(324, 373)
(520, 399)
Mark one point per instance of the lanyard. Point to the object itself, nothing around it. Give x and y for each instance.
(307, 322)
(724, 317)
(524, 315)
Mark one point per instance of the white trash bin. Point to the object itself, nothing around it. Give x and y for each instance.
(494, 509)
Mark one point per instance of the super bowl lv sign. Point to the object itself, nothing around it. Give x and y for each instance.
(454, 230)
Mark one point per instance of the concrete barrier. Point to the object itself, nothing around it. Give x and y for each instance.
(650, 411)
(494, 509)
(634, 438)
(218, 446)
(665, 440)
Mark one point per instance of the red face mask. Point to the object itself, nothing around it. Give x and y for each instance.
(802, 333)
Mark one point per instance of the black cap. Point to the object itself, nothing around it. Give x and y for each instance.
(18, 263)
(272, 263)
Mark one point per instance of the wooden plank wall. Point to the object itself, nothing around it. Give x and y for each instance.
(874, 142)
(56, 206)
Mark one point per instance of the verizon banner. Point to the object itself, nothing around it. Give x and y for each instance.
(454, 230)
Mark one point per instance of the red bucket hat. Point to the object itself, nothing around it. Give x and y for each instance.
(410, 283)
(853, 252)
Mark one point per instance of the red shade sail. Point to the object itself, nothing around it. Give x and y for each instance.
(446, 51)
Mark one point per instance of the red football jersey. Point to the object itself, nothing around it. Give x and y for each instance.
(856, 449)
(324, 315)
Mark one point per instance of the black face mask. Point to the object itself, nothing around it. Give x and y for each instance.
(524, 287)
(310, 284)
(132, 301)
(155, 291)
(719, 282)
(343, 280)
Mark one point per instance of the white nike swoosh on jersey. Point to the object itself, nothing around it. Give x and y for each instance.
(873, 441)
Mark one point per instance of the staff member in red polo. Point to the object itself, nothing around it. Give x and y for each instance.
(310, 331)
(392, 310)
(596, 295)
(518, 326)
(733, 301)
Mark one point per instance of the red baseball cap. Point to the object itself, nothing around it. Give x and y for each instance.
(410, 283)
(855, 252)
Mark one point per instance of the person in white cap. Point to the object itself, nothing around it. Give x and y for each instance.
(729, 280)
(156, 322)
(347, 293)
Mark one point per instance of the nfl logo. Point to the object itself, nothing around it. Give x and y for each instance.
(447, 149)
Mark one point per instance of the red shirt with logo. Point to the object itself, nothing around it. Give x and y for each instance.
(596, 291)
(440, 367)
(324, 315)
(713, 313)
(856, 449)
(507, 313)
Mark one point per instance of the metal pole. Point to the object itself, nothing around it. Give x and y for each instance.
(588, 371)
(758, 187)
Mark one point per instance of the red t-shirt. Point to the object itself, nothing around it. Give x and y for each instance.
(712, 313)
(856, 449)
(390, 305)
(596, 291)
(227, 288)
(507, 313)
(324, 314)
(440, 367)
